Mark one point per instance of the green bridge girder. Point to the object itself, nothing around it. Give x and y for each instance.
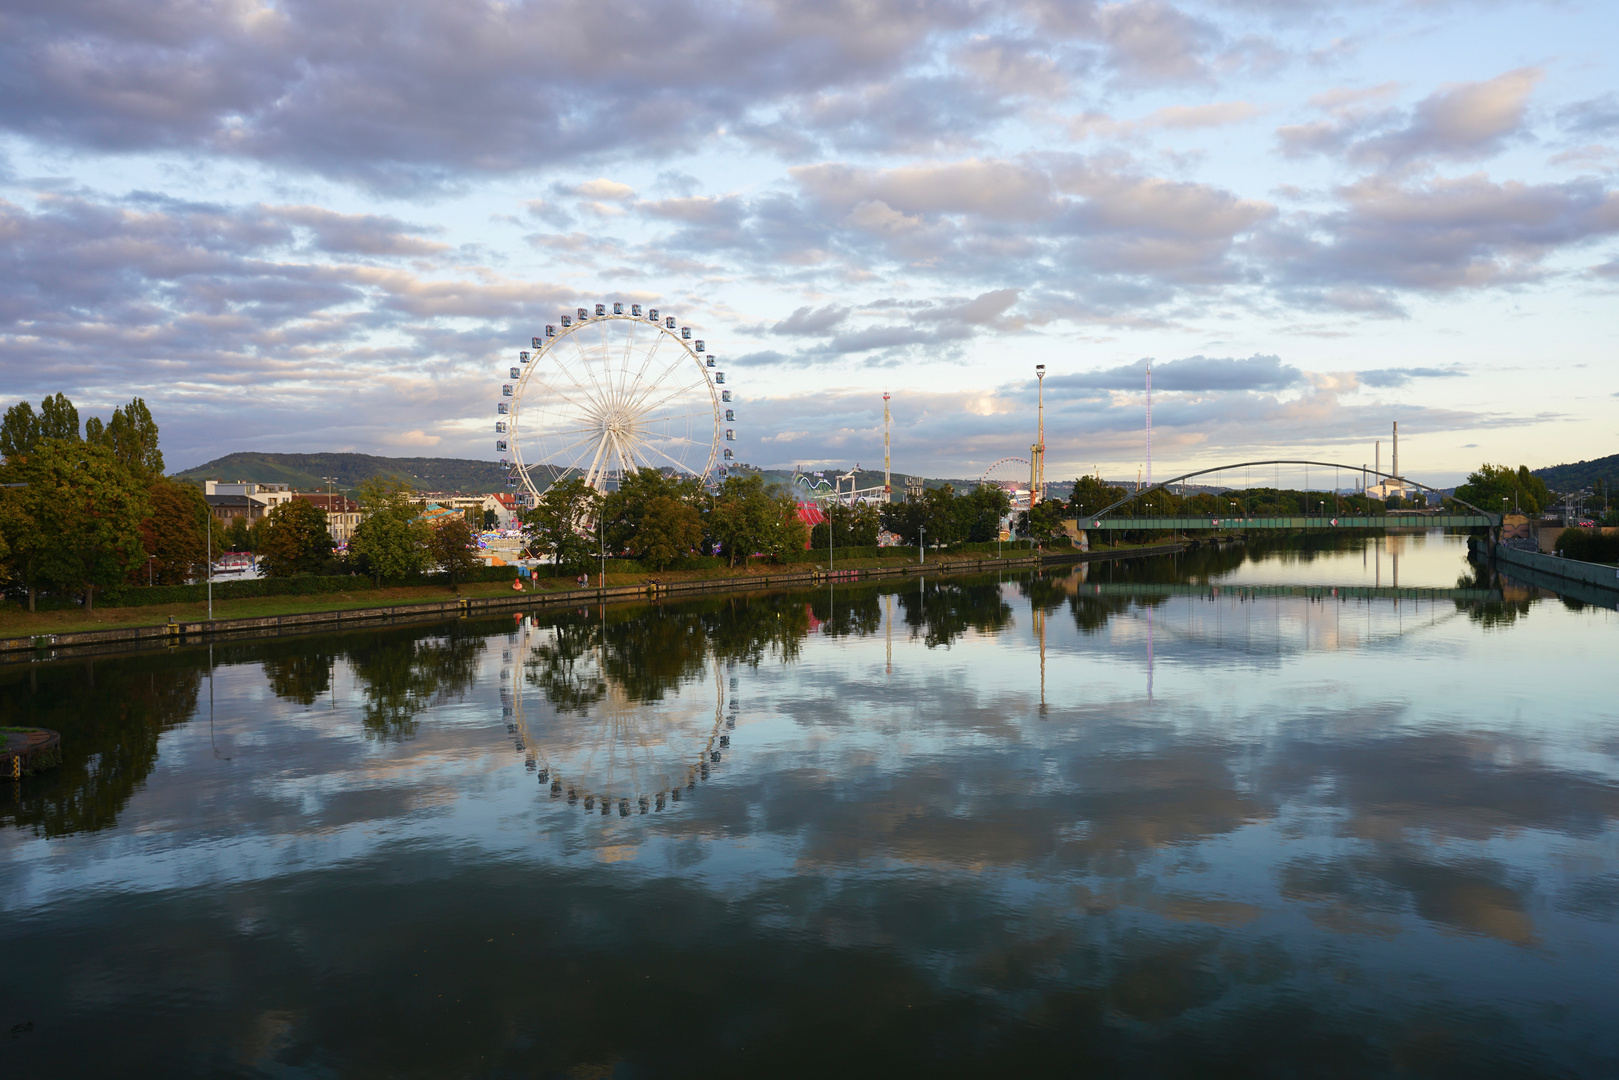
(1309, 592)
(1314, 523)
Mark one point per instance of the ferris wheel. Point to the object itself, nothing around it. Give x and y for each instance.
(1010, 474)
(607, 393)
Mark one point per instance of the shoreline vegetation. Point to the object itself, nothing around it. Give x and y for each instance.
(16, 621)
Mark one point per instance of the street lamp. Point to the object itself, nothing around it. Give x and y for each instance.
(921, 545)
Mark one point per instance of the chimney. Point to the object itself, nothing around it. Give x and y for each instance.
(1395, 468)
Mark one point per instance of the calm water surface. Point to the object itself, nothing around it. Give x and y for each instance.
(1075, 824)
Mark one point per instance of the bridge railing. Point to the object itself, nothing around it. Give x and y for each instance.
(1490, 519)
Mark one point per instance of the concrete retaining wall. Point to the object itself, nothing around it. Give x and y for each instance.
(1604, 577)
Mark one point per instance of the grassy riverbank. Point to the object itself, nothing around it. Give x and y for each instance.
(17, 621)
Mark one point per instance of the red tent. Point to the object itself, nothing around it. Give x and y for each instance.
(810, 514)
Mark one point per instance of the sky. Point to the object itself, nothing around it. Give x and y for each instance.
(299, 226)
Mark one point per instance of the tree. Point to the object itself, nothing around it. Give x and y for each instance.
(450, 545)
(131, 435)
(1491, 484)
(1044, 522)
(980, 511)
(944, 524)
(19, 431)
(174, 536)
(238, 535)
(58, 419)
(849, 526)
(392, 540)
(750, 519)
(491, 520)
(83, 512)
(670, 528)
(1091, 495)
(624, 510)
(296, 539)
(560, 524)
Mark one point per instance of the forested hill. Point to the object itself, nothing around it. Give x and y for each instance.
(1581, 474)
(305, 471)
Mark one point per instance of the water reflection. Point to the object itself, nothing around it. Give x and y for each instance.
(112, 715)
(403, 675)
(1358, 837)
(628, 710)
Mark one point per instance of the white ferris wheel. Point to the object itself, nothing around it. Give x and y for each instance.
(608, 393)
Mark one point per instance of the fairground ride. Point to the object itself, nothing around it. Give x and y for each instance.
(607, 393)
(1011, 475)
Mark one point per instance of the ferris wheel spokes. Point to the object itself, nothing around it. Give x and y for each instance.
(609, 402)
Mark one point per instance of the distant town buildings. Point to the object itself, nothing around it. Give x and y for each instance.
(343, 514)
(243, 499)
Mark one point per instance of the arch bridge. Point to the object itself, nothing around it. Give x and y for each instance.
(1106, 520)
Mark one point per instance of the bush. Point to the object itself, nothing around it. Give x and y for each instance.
(1588, 545)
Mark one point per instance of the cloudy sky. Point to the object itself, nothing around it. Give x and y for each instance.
(308, 226)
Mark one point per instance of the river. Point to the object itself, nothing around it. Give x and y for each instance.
(1155, 818)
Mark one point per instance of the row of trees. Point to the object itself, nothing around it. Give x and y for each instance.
(90, 508)
(659, 518)
(393, 541)
(87, 508)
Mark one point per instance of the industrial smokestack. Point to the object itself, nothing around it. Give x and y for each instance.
(1395, 467)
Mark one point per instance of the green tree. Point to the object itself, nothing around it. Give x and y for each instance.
(944, 520)
(58, 419)
(1491, 484)
(1091, 495)
(83, 512)
(670, 529)
(296, 539)
(238, 535)
(131, 435)
(491, 521)
(747, 518)
(980, 512)
(450, 545)
(1044, 522)
(904, 519)
(392, 539)
(849, 526)
(561, 525)
(174, 536)
(19, 431)
(624, 509)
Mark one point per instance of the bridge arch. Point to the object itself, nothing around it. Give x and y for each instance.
(1494, 518)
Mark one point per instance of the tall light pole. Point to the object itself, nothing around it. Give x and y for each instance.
(921, 545)
(210, 575)
(1037, 452)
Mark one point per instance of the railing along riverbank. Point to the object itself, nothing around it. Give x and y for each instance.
(192, 631)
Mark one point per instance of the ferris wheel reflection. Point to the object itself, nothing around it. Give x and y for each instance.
(610, 720)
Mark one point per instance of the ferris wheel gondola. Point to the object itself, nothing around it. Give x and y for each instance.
(609, 393)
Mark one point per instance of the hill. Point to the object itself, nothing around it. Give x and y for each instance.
(1581, 474)
(306, 471)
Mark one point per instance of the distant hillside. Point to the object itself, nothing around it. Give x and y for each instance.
(1581, 474)
(305, 471)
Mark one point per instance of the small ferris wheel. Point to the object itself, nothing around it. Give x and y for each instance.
(609, 393)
